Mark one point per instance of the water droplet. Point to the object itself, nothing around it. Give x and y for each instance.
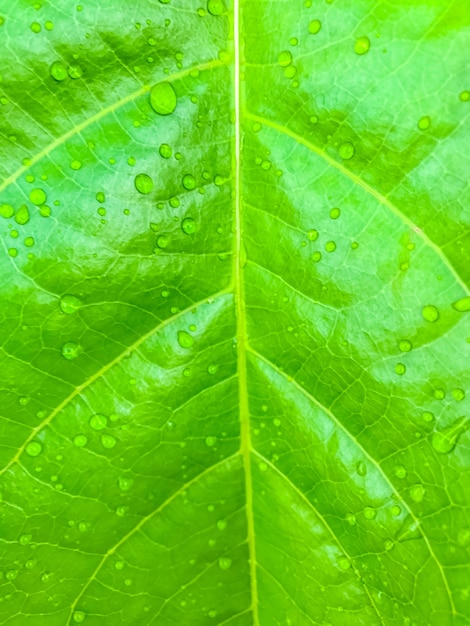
(70, 350)
(405, 345)
(290, 72)
(163, 98)
(12, 252)
(370, 512)
(189, 182)
(400, 369)
(458, 394)
(430, 313)
(101, 198)
(222, 524)
(428, 416)
(424, 123)
(11, 574)
(108, 441)
(29, 242)
(314, 27)
(445, 440)
(212, 369)
(6, 210)
(400, 471)
(395, 510)
(462, 305)
(165, 151)
(361, 468)
(188, 226)
(162, 242)
(351, 519)
(22, 215)
(185, 339)
(417, 492)
(439, 394)
(346, 150)
(464, 96)
(76, 165)
(388, 545)
(37, 196)
(210, 441)
(362, 45)
(335, 213)
(119, 565)
(344, 563)
(78, 616)
(330, 246)
(215, 7)
(125, 483)
(25, 539)
(316, 256)
(143, 183)
(75, 71)
(36, 27)
(34, 448)
(312, 234)
(285, 58)
(225, 563)
(70, 304)
(49, 25)
(80, 441)
(98, 422)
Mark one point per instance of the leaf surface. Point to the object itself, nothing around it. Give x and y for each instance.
(234, 299)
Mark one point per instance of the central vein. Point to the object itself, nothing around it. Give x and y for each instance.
(239, 289)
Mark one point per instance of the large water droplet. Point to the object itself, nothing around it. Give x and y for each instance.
(189, 182)
(314, 27)
(143, 183)
(215, 7)
(185, 339)
(462, 305)
(98, 422)
(165, 151)
(34, 448)
(400, 369)
(70, 304)
(6, 210)
(285, 58)
(163, 98)
(445, 440)
(430, 313)
(58, 71)
(362, 45)
(37, 196)
(22, 215)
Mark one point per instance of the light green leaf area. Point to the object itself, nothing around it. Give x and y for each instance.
(235, 336)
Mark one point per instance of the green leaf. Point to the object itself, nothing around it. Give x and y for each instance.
(234, 303)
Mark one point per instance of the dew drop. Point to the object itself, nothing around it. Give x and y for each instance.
(98, 422)
(424, 123)
(330, 246)
(285, 58)
(335, 213)
(388, 545)
(212, 369)
(70, 350)
(36, 27)
(76, 165)
(458, 394)
(108, 441)
(165, 151)
(312, 234)
(13, 252)
(185, 339)
(78, 616)
(210, 441)
(222, 524)
(25, 539)
(22, 215)
(143, 183)
(75, 71)
(346, 150)
(225, 563)
(188, 226)
(316, 256)
(70, 304)
(464, 96)
(125, 483)
(344, 563)
(428, 416)
(405, 345)
(370, 512)
(37, 196)
(163, 98)
(430, 313)
(215, 7)
(34, 448)
(395, 510)
(6, 210)
(462, 305)
(314, 27)
(417, 493)
(444, 441)
(80, 441)
(400, 471)
(361, 468)
(362, 45)
(162, 242)
(351, 519)
(189, 182)
(400, 369)
(101, 198)
(439, 394)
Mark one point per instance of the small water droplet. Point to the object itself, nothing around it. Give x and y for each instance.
(70, 304)
(395, 510)
(370, 512)
(439, 394)
(225, 563)
(36, 27)
(285, 58)
(351, 519)
(34, 448)
(344, 563)
(346, 150)
(101, 198)
(70, 350)
(362, 45)
(119, 565)
(6, 210)
(314, 27)
(25, 539)
(188, 226)
(464, 96)
(185, 339)
(22, 215)
(458, 394)
(335, 213)
(162, 242)
(108, 441)
(424, 123)
(75, 71)
(417, 492)
(75, 164)
(58, 71)
(400, 471)
(221, 524)
(361, 468)
(80, 440)
(210, 441)
(29, 242)
(143, 183)
(78, 616)
(215, 7)
(37, 196)
(312, 234)
(430, 313)
(189, 182)
(163, 98)
(165, 151)
(445, 440)
(428, 416)
(98, 421)
(316, 256)
(330, 246)
(388, 545)
(212, 369)
(400, 369)
(462, 305)
(405, 345)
